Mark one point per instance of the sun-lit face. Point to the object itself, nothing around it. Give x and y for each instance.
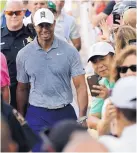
(14, 20)
(102, 65)
(45, 31)
(59, 4)
(37, 4)
(130, 60)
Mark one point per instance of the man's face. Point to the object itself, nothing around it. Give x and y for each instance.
(14, 14)
(45, 31)
(59, 4)
(37, 4)
(101, 65)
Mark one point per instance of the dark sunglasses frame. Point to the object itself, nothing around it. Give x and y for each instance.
(123, 69)
(11, 13)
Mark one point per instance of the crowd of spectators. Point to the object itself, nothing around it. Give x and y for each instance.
(41, 64)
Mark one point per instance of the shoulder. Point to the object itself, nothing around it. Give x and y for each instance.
(66, 46)
(4, 31)
(25, 51)
(69, 17)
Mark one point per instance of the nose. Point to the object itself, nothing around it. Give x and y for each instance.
(39, 6)
(130, 73)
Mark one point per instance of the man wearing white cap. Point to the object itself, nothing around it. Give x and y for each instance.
(49, 63)
(101, 57)
(124, 99)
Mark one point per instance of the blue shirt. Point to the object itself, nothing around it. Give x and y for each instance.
(49, 72)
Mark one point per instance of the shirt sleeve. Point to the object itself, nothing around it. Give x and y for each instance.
(109, 7)
(76, 65)
(74, 30)
(22, 76)
(5, 79)
(96, 106)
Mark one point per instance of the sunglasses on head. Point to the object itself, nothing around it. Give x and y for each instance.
(11, 13)
(123, 69)
(46, 25)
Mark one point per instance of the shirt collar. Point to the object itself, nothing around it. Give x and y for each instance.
(6, 31)
(61, 16)
(54, 45)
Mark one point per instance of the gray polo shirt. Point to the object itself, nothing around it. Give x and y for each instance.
(49, 72)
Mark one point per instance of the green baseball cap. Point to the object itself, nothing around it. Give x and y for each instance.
(51, 5)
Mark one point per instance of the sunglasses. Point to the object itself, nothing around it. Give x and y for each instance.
(45, 25)
(123, 69)
(11, 13)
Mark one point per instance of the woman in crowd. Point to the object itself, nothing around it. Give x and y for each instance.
(124, 35)
(125, 65)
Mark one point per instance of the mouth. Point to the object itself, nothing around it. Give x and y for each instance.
(103, 70)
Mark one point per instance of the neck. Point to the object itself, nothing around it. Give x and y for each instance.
(15, 28)
(58, 13)
(46, 44)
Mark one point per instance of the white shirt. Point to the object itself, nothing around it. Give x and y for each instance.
(126, 143)
(66, 27)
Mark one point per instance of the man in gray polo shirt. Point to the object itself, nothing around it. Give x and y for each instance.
(48, 64)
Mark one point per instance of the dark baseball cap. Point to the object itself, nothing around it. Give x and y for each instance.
(51, 5)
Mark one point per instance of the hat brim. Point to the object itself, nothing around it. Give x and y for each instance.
(43, 21)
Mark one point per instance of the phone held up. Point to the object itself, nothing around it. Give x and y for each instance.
(93, 80)
(116, 18)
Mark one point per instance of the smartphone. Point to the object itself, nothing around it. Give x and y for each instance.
(93, 80)
(116, 19)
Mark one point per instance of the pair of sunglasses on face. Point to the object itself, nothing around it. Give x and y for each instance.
(124, 69)
(11, 13)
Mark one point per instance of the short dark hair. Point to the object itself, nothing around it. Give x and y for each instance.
(94, 58)
(61, 132)
(130, 114)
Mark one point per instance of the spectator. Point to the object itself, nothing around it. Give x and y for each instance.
(7, 143)
(14, 37)
(5, 79)
(66, 25)
(101, 54)
(66, 129)
(126, 59)
(20, 131)
(124, 99)
(33, 6)
(95, 19)
(81, 141)
(50, 94)
(129, 17)
(123, 37)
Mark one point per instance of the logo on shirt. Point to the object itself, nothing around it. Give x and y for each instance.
(59, 54)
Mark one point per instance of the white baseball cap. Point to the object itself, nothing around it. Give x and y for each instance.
(124, 93)
(43, 15)
(100, 48)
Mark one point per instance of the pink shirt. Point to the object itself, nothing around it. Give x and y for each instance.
(4, 77)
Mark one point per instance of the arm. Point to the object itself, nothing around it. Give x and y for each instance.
(97, 18)
(77, 43)
(75, 36)
(5, 94)
(82, 96)
(22, 96)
